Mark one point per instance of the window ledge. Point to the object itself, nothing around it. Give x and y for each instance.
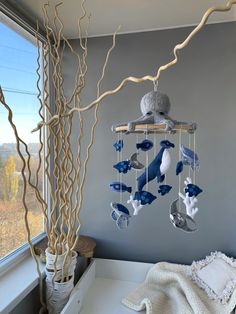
(16, 283)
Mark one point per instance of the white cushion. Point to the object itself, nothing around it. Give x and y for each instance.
(216, 274)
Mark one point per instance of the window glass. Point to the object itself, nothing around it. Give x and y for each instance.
(18, 64)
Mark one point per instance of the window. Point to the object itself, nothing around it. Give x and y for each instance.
(18, 64)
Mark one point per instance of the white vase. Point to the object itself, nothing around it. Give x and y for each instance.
(57, 292)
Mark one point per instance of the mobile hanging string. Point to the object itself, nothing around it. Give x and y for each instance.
(118, 156)
(121, 174)
(180, 175)
(136, 170)
(154, 144)
(155, 84)
(146, 136)
(189, 145)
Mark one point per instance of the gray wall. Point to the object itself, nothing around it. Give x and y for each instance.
(202, 89)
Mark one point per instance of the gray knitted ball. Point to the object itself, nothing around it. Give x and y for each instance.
(155, 101)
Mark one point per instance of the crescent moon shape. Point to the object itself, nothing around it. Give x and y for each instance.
(180, 220)
(173, 206)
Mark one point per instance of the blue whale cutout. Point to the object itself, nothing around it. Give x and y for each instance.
(153, 171)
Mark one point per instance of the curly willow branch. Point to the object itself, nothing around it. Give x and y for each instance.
(156, 77)
(19, 141)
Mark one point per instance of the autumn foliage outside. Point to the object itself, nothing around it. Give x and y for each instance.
(12, 227)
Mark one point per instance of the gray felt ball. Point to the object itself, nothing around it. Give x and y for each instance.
(155, 101)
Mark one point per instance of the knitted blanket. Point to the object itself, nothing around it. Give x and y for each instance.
(168, 289)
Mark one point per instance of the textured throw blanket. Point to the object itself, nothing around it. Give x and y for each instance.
(168, 289)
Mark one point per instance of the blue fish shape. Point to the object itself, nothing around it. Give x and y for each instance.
(179, 167)
(164, 189)
(153, 171)
(119, 145)
(145, 145)
(120, 214)
(120, 187)
(123, 166)
(145, 197)
(193, 190)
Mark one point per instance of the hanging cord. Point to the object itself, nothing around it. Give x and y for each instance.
(155, 145)
(147, 163)
(121, 174)
(180, 175)
(155, 85)
(189, 145)
(166, 173)
(117, 157)
(136, 170)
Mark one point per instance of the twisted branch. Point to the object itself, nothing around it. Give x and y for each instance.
(152, 78)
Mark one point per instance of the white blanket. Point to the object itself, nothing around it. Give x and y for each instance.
(167, 289)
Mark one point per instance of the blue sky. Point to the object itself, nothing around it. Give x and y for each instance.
(18, 64)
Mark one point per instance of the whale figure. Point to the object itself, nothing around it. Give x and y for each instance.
(158, 167)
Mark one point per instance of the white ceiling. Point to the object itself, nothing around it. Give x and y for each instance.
(133, 15)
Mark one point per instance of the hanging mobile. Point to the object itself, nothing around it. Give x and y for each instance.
(155, 107)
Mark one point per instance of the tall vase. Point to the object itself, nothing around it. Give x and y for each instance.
(57, 290)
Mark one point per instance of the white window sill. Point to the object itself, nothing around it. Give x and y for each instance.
(16, 283)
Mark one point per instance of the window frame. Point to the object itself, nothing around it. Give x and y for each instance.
(20, 253)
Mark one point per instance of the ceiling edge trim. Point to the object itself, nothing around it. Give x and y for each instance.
(156, 29)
